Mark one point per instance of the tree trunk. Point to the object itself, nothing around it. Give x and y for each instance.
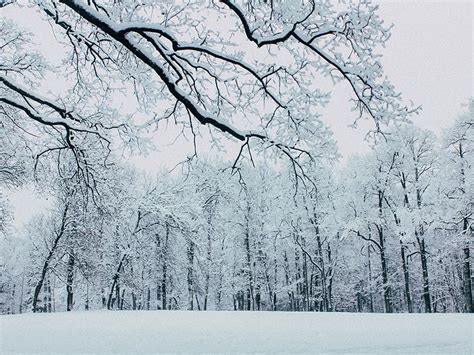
(297, 280)
(164, 279)
(48, 296)
(122, 298)
(369, 269)
(148, 298)
(69, 282)
(305, 284)
(221, 278)
(268, 284)
(424, 268)
(22, 291)
(198, 304)
(467, 276)
(329, 284)
(208, 262)
(86, 306)
(288, 281)
(250, 291)
(323, 271)
(406, 277)
(275, 272)
(190, 277)
(115, 284)
(39, 285)
(387, 292)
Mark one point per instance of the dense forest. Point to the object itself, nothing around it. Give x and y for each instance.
(282, 225)
(390, 231)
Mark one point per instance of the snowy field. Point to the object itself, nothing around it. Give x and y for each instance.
(247, 332)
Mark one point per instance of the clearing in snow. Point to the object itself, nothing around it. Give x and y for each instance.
(250, 332)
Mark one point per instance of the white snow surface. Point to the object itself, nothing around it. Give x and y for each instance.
(235, 332)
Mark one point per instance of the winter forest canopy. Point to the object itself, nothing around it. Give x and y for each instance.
(261, 215)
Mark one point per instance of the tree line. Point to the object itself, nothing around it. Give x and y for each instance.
(389, 231)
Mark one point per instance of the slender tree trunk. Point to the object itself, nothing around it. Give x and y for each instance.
(148, 298)
(406, 275)
(117, 293)
(249, 301)
(387, 292)
(275, 277)
(369, 269)
(198, 304)
(424, 268)
(86, 306)
(421, 244)
(359, 302)
(221, 278)
(59, 235)
(134, 301)
(159, 257)
(323, 271)
(46, 295)
(258, 298)
(288, 281)
(208, 262)
(69, 281)
(190, 277)
(164, 279)
(250, 290)
(268, 283)
(329, 284)
(297, 280)
(305, 284)
(467, 275)
(122, 298)
(115, 284)
(258, 263)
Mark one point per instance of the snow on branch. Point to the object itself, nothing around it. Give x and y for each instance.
(252, 81)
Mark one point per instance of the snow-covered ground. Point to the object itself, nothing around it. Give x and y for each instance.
(248, 332)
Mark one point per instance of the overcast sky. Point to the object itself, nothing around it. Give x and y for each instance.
(429, 59)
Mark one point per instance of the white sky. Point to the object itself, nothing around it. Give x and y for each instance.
(429, 59)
